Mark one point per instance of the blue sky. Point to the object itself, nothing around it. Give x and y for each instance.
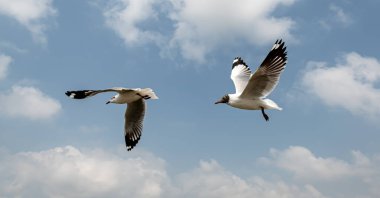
(324, 143)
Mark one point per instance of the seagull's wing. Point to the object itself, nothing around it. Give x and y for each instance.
(266, 77)
(134, 116)
(240, 74)
(81, 94)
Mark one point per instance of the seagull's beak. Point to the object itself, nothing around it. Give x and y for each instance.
(219, 101)
(107, 102)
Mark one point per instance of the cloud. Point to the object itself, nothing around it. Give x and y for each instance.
(28, 102)
(4, 63)
(337, 17)
(30, 13)
(305, 165)
(211, 180)
(70, 172)
(126, 16)
(203, 26)
(197, 27)
(350, 84)
(340, 16)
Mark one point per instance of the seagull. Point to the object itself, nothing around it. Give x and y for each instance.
(251, 90)
(134, 114)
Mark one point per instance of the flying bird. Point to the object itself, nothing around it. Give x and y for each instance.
(251, 90)
(134, 114)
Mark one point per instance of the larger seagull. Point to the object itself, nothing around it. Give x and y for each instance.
(252, 89)
(134, 115)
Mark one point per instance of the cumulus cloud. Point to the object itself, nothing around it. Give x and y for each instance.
(29, 13)
(28, 102)
(70, 172)
(4, 63)
(351, 83)
(126, 16)
(200, 27)
(211, 180)
(306, 166)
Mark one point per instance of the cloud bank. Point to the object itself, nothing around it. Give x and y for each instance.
(72, 172)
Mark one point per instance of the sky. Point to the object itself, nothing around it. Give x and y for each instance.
(323, 144)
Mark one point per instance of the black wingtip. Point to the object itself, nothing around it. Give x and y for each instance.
(130, 143)
(78, 94)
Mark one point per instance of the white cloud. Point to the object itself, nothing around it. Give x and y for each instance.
(202, 26)
(4, 63)
(211, 180)
(351, 84)
(29, 102)
(305, 165)
(126, 16)
(68, 172)
(71, 172)
(362, 171)
(29, 13)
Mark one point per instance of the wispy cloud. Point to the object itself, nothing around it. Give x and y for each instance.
(30, 13)
(350, 84)
(200, 27)
(4, 63)
(337, 17)
(28, 102)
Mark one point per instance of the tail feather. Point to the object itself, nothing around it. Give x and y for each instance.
(148, 92)
(272, 104)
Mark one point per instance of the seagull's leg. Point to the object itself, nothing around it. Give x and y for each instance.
(264, 114)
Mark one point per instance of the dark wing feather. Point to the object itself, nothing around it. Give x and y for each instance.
(81, 94)
(134, 116)
(266, 77)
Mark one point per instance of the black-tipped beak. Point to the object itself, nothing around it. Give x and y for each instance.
(107, 102)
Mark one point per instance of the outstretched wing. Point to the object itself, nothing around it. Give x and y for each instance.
(240, 74)
(81, 94)
(266, 77)
(134, 116)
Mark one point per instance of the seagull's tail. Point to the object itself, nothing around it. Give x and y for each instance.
(148, 92)
(271, 104)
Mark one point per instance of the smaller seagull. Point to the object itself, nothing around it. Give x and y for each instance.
(134, 115)
(252, 89)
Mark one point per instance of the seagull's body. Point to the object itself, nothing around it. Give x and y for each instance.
(134, 115)
(252, 89)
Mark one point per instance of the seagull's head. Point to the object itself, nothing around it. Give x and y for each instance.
(224, 99)
(113, 99)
